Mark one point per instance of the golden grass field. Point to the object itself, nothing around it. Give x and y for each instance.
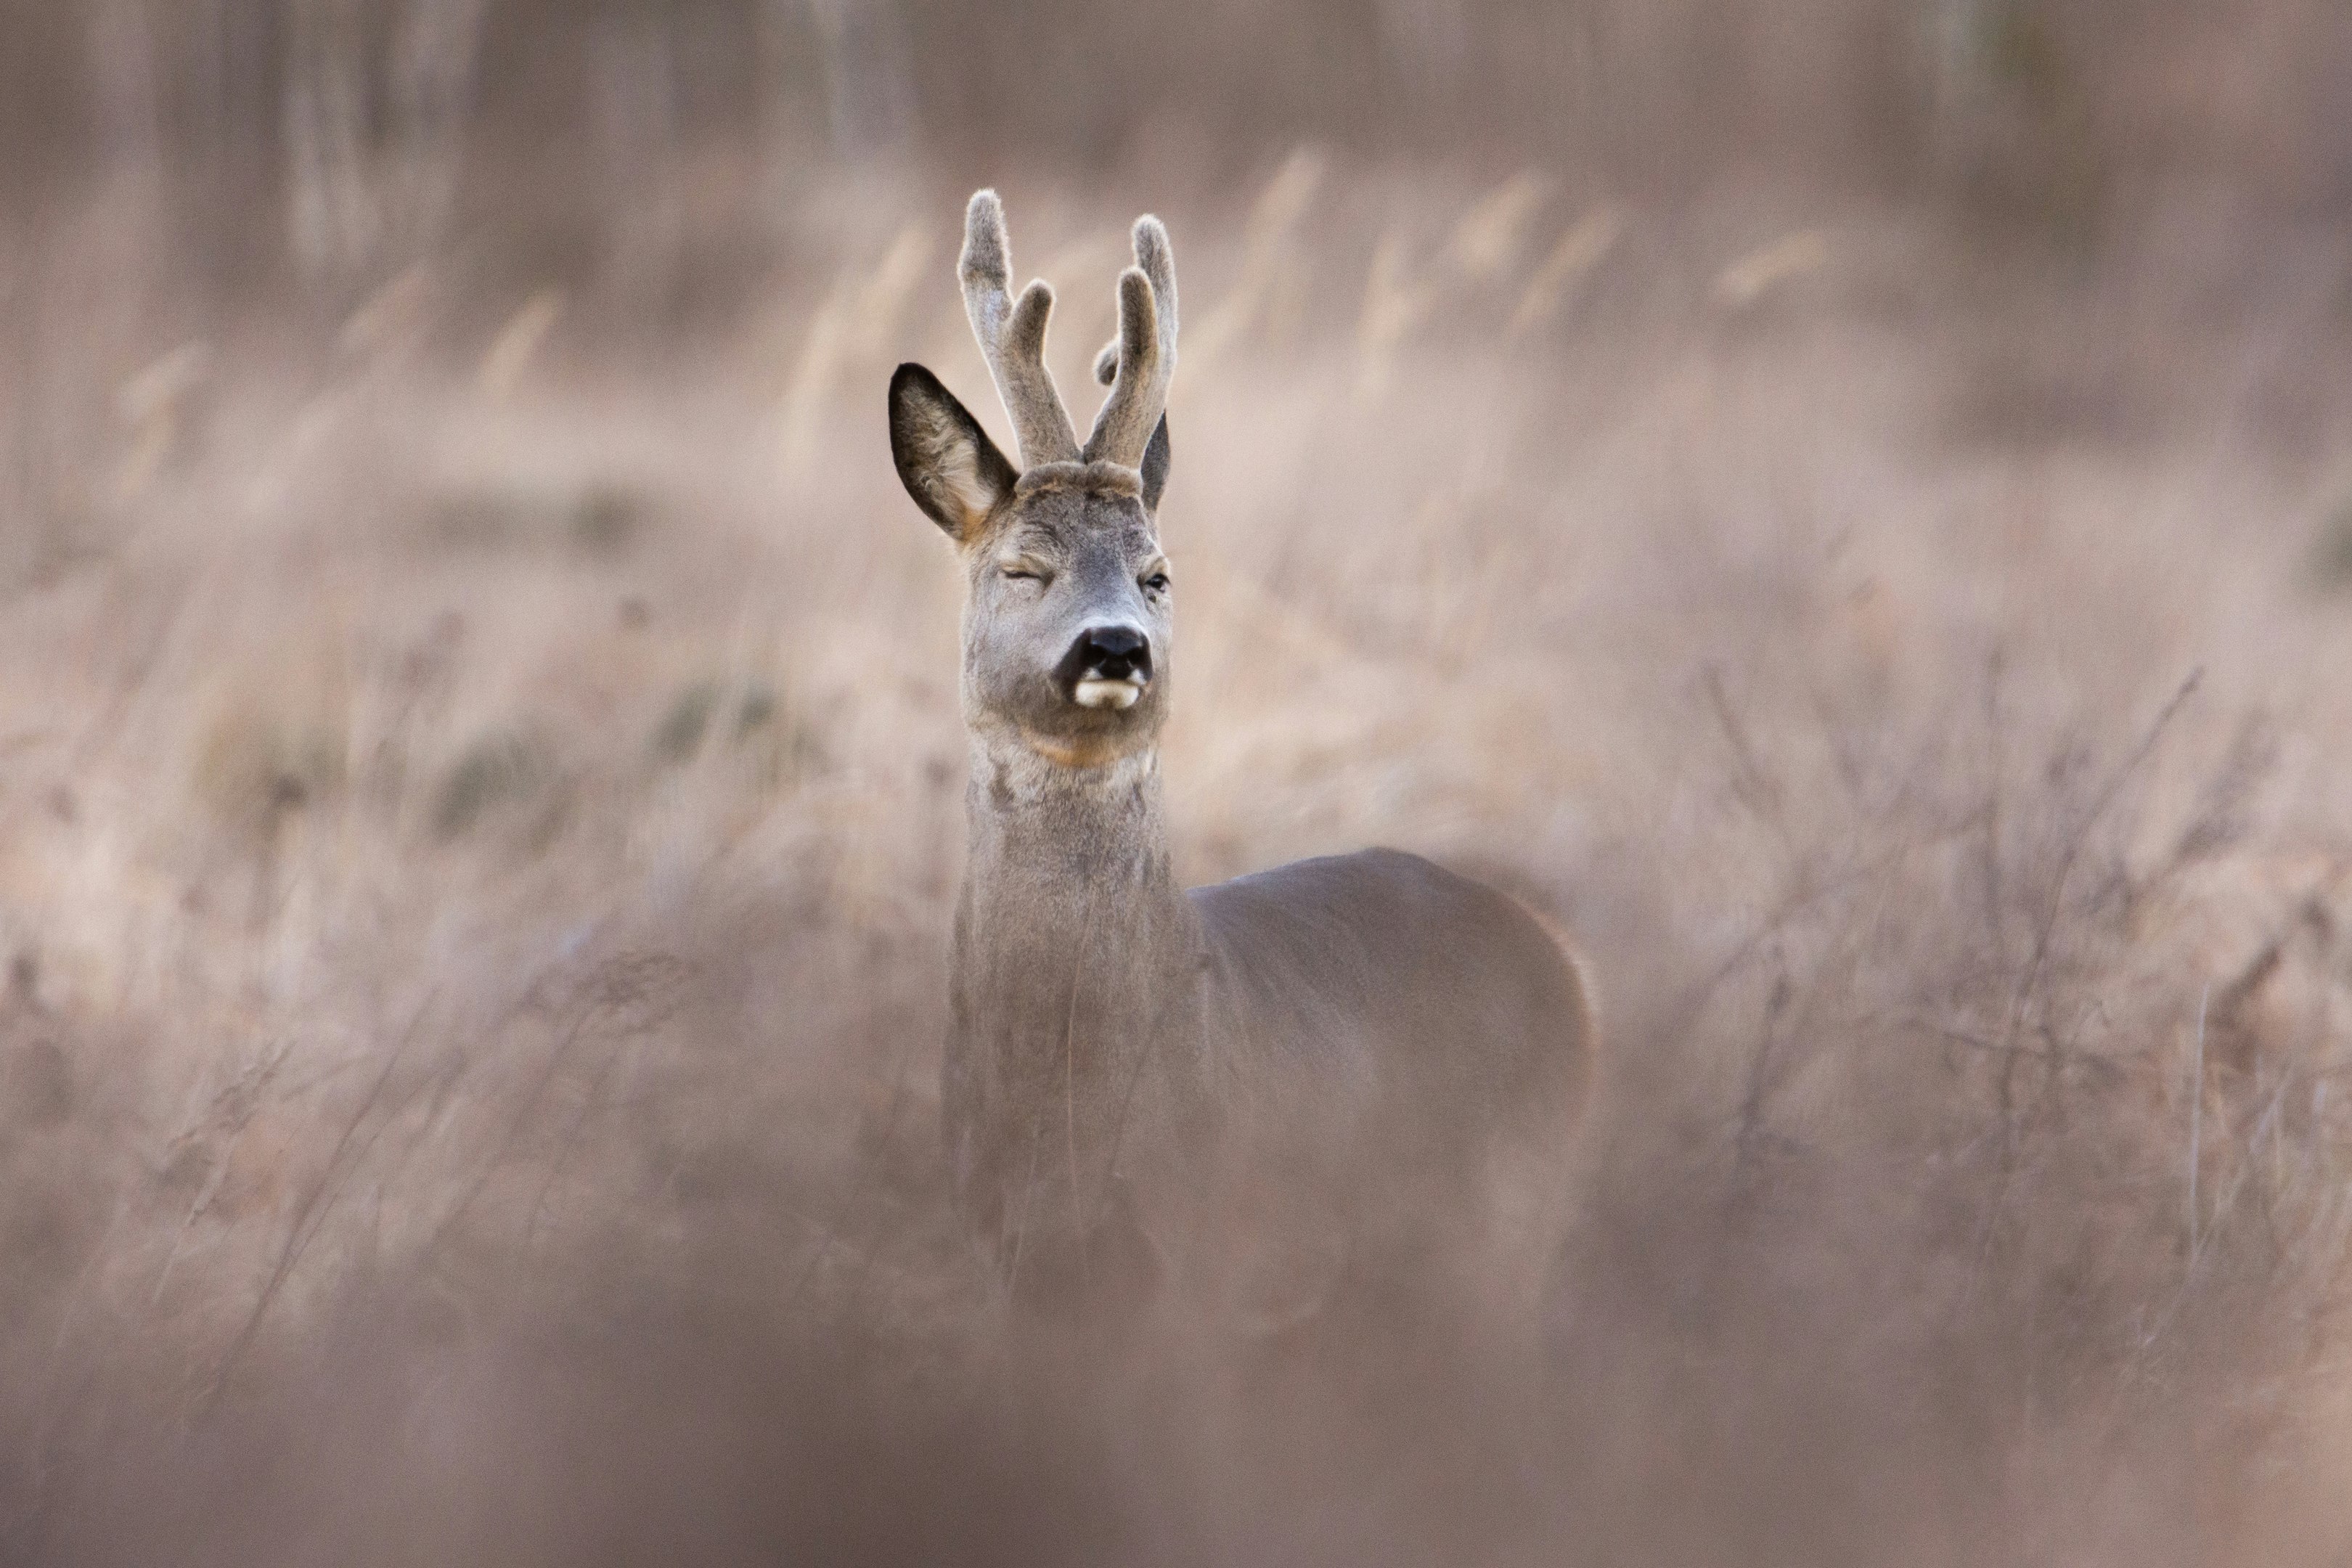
(480, 807)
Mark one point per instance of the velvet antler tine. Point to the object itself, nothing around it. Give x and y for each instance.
(1013, 336)
(1143, 360)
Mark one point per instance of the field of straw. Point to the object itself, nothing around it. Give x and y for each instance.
(481, 803)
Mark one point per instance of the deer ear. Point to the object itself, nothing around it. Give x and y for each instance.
(1155, 465)
(945, 459)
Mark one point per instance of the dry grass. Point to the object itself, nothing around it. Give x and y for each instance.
(480, 803)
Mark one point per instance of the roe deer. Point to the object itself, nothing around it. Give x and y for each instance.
(1113, 1039)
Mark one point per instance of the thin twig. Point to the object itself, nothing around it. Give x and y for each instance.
(1756, 788)
(1070, 1087)
(311, 1215)
(1996, 762)
(2046, 931)
(242, 1100)
(2197, 1116)
(1028, 1196)
(1188, 990)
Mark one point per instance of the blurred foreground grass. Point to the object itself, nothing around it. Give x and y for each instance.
(480, 809)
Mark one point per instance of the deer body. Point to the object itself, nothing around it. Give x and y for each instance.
(1117, 1046)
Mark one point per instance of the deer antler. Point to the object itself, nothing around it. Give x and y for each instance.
(1013, 336)
(1146, 351)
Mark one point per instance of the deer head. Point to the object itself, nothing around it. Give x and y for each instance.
(1065, 625)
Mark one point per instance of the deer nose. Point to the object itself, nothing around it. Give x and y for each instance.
(1105, 654)
(1115, 653)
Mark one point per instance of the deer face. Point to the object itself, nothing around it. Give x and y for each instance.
(1067, 593)
(1065, 625)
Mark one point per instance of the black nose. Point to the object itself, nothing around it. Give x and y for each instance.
(1108, 653)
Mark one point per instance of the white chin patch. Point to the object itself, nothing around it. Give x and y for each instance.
(1093, 693)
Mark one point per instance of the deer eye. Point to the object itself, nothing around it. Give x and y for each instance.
(1156, 581)
(1026, 571)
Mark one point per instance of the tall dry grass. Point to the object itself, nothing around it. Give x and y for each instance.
(480, 805)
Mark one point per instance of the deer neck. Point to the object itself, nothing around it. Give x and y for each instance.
(1069, 866)
(1076, 969)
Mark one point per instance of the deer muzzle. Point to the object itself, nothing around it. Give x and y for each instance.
(1106, 667)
